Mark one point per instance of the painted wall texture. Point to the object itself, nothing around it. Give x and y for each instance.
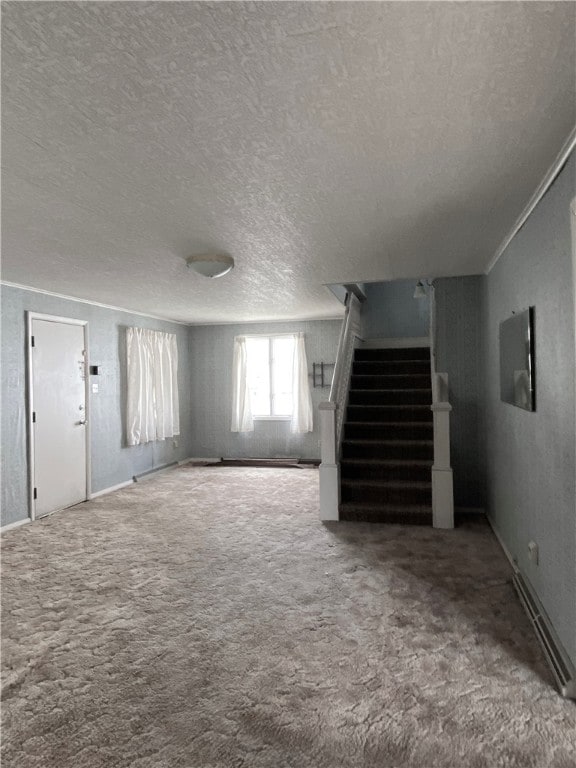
(531, 456)
(112, 462)
(458, 321)
(392, 312)
(211, 349)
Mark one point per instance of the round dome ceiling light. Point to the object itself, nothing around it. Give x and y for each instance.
(211, 264)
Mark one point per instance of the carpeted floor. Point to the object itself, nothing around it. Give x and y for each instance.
(207, 619)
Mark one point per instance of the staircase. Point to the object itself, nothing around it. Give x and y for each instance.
(387, 450)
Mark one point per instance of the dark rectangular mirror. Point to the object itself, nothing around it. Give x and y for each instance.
(517, 384)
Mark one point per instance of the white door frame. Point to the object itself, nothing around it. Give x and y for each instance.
(30, 316)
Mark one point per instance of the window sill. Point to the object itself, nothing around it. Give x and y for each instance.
(272, 418)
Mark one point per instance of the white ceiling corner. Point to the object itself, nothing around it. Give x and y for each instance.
(315, 142)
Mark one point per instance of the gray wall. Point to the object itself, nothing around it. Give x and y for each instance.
(112, 463)
(211, 349)
(531, 456)
(391, 311)
(458, 308)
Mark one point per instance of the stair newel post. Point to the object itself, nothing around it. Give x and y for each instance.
(442, 480)
(329, 467)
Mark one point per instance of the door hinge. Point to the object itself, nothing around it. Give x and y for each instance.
(32, 341)
(33, 417)
(35, 493)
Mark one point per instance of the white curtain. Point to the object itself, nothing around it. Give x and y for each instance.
(241, 410)
(301, 397)
(152, 411)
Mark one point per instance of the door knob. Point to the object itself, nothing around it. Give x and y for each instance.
(81, 423)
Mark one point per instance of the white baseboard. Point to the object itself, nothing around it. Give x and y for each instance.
(17, 524)
(415, 341)
(111, 489)
(150, 475)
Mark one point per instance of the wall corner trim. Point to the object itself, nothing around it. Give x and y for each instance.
(541, 190)
(503, 546)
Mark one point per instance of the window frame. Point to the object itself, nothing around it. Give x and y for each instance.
(270, 337)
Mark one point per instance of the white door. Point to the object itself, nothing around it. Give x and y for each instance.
(58, 415)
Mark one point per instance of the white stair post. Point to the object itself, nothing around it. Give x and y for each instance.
(442, 482)
(332, 412)
(329, 468)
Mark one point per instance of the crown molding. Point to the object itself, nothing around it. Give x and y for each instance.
(165, 319)
(541, 190)
(91, 303)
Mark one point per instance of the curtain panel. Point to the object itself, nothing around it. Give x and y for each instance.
(302, 420)
(242, 420)
(152, 409)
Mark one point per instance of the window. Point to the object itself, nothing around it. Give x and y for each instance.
(270, 381)
(269, 373)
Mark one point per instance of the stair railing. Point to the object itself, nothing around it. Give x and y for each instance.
(332, 412)
(442, 477)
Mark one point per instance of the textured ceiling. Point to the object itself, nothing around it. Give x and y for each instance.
(315, 142)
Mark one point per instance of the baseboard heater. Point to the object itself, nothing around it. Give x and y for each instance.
(281, 461)
(561, 666)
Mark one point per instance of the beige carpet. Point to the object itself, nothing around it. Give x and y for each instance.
(207, 619)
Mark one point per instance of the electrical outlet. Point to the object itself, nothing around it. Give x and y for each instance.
(175, 443)
(533, 552)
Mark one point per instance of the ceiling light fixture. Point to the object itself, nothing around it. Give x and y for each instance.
(211, 264)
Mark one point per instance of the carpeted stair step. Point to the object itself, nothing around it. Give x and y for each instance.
(387, 413)
(387, 491)
(386, 469)
(394, 430)
(401, 381)
(389, 353)
(390, 397)
(387, 449)
(413, 514)
(387, 367)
